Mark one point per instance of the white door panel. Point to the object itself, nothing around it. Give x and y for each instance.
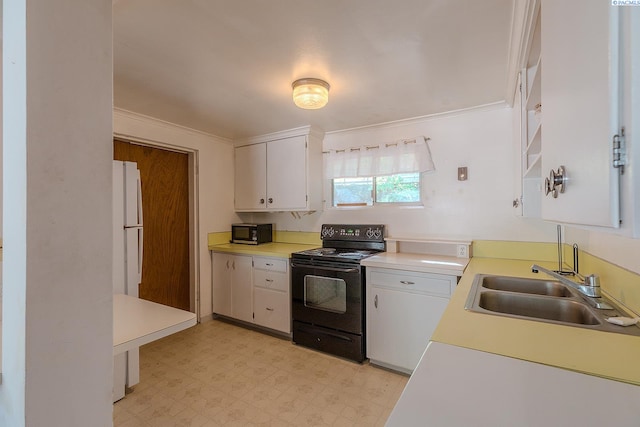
(580, 109)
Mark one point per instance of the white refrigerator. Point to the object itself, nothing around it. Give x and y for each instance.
(127, 259)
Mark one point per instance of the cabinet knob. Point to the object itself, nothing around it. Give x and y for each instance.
(262, 201)
(270, 199)
(556, 182)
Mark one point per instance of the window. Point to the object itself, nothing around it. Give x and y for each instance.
(379, 174)
(367, 191)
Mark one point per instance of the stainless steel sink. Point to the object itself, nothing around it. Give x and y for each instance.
(558, 309)
(541, 300)
(526, 286)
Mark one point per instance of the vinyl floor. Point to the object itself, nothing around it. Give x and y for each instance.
(218, 374)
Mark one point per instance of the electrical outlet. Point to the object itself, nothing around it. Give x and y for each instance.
(463, 251)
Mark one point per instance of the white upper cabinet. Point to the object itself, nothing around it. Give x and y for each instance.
(287, 173)
(251, 177)
(279, 174)
(580, 110)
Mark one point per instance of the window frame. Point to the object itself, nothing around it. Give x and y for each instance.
(375, 203)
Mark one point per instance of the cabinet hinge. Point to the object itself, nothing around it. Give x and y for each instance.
(619, 151)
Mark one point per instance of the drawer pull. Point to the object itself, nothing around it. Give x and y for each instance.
(268, 264)
(268, 280)
(269, 309)
(406, 282)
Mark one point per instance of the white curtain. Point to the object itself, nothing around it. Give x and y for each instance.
(406, 156)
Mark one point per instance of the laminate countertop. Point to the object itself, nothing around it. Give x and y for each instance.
(137, 322)
(487, 370)
(274, 249)
(604, 354)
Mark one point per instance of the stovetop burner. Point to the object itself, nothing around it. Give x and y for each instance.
(329, 253)
(346, 243)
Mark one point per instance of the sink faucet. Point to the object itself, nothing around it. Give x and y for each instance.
(589, 287)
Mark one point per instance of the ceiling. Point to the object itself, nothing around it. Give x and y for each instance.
(226, 66)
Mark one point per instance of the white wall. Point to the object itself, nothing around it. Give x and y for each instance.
(479, 208)
(57, 338)
(214, 158)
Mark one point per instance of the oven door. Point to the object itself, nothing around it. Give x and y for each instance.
(328, 296)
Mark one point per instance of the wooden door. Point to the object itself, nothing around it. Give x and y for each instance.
(165, 200)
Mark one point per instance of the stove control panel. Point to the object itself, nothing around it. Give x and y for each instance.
(361, 232)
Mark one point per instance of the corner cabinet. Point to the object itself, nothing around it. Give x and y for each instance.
(279, 172)
(403, 310)
(581, 101)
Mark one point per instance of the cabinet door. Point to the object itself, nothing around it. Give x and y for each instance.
(272, 309)
(400, 325)
(580, 109)
(250, 177)
(221, 282)
(241, 288)
(287, 173)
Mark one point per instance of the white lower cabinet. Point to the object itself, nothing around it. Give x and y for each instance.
(252, 289)
(272, 300)
(403, 309)
(232, 286)
(272, 309)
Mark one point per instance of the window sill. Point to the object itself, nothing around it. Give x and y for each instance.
(377, 206)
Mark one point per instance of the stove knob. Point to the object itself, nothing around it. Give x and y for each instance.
(377, 233)
(369, 233)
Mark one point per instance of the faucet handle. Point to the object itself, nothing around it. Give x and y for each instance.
(592, 280)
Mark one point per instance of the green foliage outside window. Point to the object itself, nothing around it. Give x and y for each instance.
(366, 191)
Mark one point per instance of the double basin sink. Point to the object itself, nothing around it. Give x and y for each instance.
(541, 300)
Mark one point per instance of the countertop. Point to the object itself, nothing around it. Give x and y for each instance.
(439, 264)
(137, 322)
(608, 355)
(455, 386)
(275, 249)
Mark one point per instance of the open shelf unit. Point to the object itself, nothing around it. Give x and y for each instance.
(532, 126)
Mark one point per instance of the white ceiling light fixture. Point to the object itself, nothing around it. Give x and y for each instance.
(310, 94)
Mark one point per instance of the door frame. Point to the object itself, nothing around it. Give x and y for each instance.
(194, 239)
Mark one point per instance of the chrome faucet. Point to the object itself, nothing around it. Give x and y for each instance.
(590, 286)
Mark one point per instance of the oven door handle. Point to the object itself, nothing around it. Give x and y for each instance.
(339, 270)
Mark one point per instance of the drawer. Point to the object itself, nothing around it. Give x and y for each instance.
(271, 264)
(272, 309)
(425, 283)
(271, 280)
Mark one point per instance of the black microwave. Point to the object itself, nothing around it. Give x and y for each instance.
(251, 234)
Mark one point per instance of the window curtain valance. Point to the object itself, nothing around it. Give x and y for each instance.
(405, 156)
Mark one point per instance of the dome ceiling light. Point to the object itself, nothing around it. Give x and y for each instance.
(310, 94)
